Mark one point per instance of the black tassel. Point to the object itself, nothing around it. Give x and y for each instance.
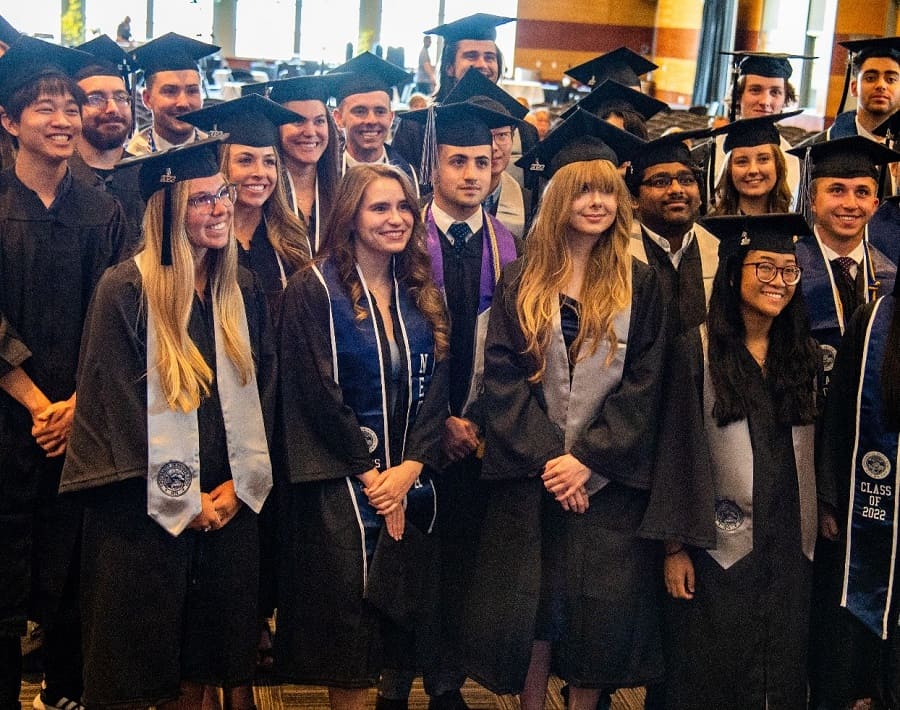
(166, 253)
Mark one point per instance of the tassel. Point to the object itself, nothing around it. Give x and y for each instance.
(803, 205)
(166, 256)
(429, 147)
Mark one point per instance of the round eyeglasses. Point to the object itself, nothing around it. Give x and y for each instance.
(767, 271)
(207, 201)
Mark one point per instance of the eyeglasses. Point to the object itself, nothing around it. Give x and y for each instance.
(120, 98)
(766, 272)
(663, 180)
(207, 201)
(502, 137)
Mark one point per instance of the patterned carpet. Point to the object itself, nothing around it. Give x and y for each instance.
(295, 697)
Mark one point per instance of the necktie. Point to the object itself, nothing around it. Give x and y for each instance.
(846, 284)
(460, 232)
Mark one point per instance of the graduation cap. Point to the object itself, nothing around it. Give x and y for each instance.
(479, 26)
(299, 88)
(111, 60)
(250, 120)
(365, 73)
(621, 65)
(462, 124)
(8, 33)
(28, 57)
(863, 49)
(612, 94)
(773, 65)
(474, 83)
(749, 132)
(171, 52)
(581, 137)
(777, 233)
(162, 169)
(851, 157)
(670, 148)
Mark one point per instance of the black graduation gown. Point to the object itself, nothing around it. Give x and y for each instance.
(610, 632)
(123, 186)
(682, 287)
(848, 661)
(106, 465)
(328, 634)
(50, 261)
(741, 642)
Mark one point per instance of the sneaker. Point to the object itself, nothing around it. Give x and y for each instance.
(41, 702)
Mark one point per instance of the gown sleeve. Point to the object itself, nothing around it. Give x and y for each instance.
(322, 438)
(620, 443)
(519, 436)
(13, 350)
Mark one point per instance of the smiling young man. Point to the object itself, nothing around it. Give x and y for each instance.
(171, 89)
(664, 181)
(364, 112)
(106, 123)
(57, 237)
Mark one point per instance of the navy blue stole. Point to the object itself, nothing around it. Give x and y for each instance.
(872, 514)
(362, 373)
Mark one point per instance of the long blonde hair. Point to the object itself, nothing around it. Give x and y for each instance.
(548, 265)
(287, 233)
(184, 375)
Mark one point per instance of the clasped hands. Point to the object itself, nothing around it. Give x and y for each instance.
(565, 477)
(52, 425)
(387, 490)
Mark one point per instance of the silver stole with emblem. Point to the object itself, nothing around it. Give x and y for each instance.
(173, 438)
(731, 454)
(573, 404)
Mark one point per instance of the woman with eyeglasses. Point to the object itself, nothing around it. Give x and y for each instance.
(363, 404)
(169, 452)
(735, 495)
(573, 361)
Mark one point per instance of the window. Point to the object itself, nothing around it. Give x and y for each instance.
(265, 29)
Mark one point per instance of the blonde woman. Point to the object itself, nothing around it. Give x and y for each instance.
(169, 451)
(574, 352)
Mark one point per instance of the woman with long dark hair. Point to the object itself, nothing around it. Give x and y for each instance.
(363, 407)
(169, 451)
(573, 363)
(742, 503)
(309, 147)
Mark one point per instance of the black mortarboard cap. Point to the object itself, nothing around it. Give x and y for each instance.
(769, 232)
(162, 169)
(885, 45)
(28, 57)
(8, 33)
(474, 83)
(612, 94)
(462, 124)
(851, 157)
(749, 132)
(479, 26)
(250, 120)
(365, 73)
(666, 149)
(111, 59)
(581, 137)
(320, 87)
(621, 65)
(775, 65)
(171, 52)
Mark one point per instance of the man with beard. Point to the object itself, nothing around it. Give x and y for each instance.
(106, 120)
(171, 89)
(876, 85)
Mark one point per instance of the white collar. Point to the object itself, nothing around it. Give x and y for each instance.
(663, 243)
(442, 220)
(830, 254)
